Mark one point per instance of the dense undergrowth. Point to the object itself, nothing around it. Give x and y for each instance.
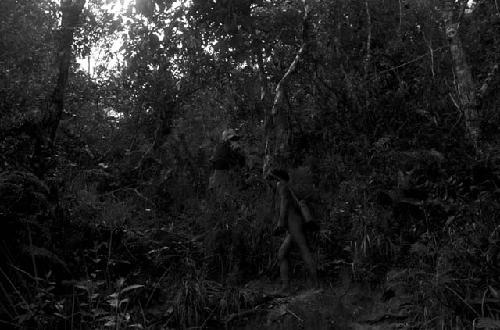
(423, 221)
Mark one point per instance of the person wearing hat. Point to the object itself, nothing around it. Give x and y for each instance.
(225, 158)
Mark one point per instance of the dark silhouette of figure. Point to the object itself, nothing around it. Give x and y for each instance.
(290, 220)
(226, 157)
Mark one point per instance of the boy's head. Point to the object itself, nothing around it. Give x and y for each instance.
(280, 174)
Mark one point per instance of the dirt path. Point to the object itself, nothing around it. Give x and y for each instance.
(344, 306)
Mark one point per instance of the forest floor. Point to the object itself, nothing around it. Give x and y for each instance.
(342, 304)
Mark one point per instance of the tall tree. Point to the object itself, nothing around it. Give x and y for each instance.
(276, 122)
(51, 116)
(464, 82)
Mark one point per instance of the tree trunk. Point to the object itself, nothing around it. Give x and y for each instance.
(51, 116)
(71, 10)
(400, 29)
(368, 53)
(276, 124)
(465, 84)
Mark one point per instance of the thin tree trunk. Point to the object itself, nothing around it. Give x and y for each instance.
(431, 54)
(51, 115)
(337, 38)
(368, 52)
(400, 18)
(263, 88)
(486, 86)
(276, 132)
(71, 10)
(465, 84)
(368, 38)
(262, 76)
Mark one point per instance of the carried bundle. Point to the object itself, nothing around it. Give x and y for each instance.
(309, 222)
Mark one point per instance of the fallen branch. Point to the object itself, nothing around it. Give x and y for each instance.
(418, 58)
(295, 315)
(463, 300)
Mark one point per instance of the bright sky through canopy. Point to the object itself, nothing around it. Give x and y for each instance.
(119, 8)
(116, 7)
(97, 56)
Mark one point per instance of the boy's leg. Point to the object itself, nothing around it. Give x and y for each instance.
(298, 235)
(283, 260)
